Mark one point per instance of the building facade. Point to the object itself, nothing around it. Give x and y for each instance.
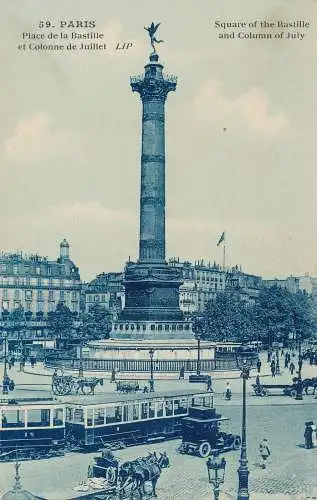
(107, 290)
(36, 284)
(202, 281)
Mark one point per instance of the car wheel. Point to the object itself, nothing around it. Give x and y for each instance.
(204, 449)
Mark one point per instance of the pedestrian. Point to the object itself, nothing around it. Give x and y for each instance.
(291, 367)
(146, 389)
(286, 360)
(300, 364)
(258, 365)
(308, 435)
(273, 368)
(181, 373)
(113, 376)
(269, 354)
(282, 351)
(265, 451)
(228, 392)
(209, 384)
(257, 380)
(314, 435)
(12, 360)
(32, 359)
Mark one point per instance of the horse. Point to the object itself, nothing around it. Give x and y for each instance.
(140, 471)
(89, 383)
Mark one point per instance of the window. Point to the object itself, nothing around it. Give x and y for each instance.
(38, 417)
(180, 406)
(113, 414)
(169, 408)
(13, 418)
(99, 416)
(15, 269)
(39, 282)
(151, 409)
(51, 295)
(38, 270)
(90, 417)
(16, 281)
(28, 281)
(96, 298)
(103, 298)
(160, 408)
(16, 294)
(3, 268)
(5, 294)
(58, 417)
(144, 411)
(130, 413)
(62, 295)
(40, 295)
(74, 415)
(74, 295)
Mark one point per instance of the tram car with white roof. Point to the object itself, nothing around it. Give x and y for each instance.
(31, 428)
(121, 420)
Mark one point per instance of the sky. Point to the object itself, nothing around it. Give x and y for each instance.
(240, 134)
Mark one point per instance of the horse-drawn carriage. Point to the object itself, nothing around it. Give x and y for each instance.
(63, 385)
(298, 386)
(137, 476)
(128, 386)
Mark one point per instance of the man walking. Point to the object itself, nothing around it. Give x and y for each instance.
(308, 435)
(291, 367)
(258, 365)
(273, 368)
(265, 451)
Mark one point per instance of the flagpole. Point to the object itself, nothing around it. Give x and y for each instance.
(224, 257)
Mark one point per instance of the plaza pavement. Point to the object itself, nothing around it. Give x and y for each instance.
(291, 472)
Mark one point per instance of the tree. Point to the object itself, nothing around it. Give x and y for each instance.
(279, 312)
(302, 315)
(229, 317)
(96, 324)
(61, 324)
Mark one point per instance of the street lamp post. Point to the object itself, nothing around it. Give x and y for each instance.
(151, 353)
(244, 357)
(81, 368)
(198, 337)
(299, 387)
(5, 372)
(275, 346)
(216, 468)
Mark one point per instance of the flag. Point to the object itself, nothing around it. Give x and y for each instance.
(221, 239)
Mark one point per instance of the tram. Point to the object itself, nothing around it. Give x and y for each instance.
(125, 419)
(31, 428)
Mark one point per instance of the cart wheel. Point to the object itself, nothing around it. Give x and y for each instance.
(111, 475)
(264, 392)
(293, 393)
(236, 443)
(204, 449)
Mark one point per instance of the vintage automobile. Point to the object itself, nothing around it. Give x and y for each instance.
(204, 431)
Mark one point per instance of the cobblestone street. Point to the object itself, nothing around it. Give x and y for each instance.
(291, 471)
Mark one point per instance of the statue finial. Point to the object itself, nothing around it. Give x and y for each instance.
(151, 31)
